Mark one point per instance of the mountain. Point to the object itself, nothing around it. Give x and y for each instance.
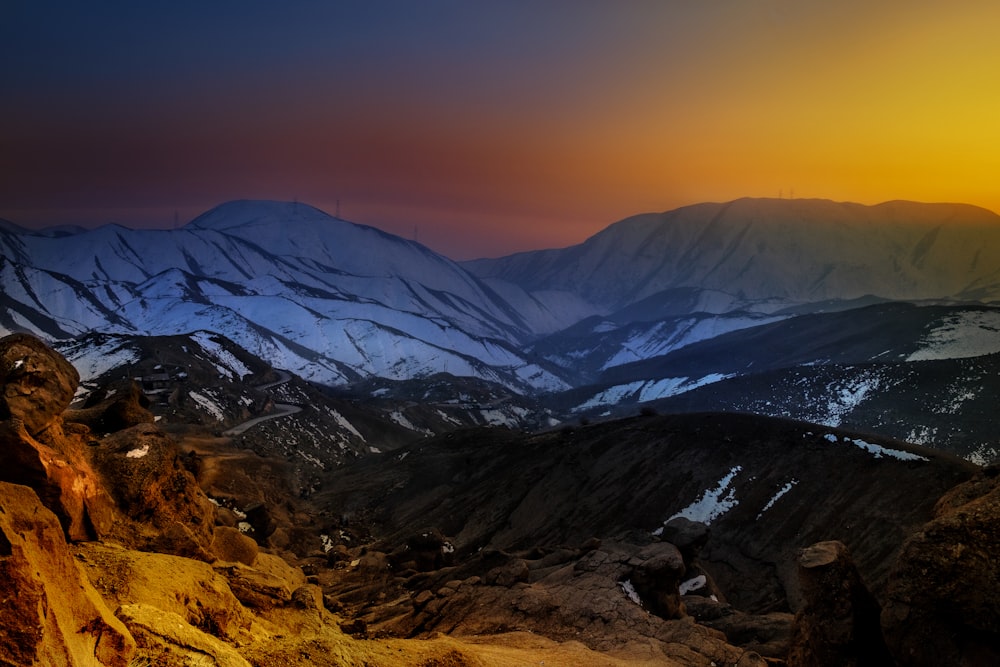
(768, 254)
(925, 374)
(768, 305)
(676, 540)
(329, 300)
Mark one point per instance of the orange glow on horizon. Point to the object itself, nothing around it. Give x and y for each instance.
(555, 133)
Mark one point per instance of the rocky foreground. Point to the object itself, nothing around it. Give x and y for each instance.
(124, 543)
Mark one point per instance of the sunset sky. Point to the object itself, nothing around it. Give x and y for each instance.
(485, 128)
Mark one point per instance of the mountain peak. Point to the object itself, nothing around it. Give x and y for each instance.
(247, 211)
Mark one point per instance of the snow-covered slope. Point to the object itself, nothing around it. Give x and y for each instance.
(765, 254)
(325, 298)
(337, 302)
(927, 374)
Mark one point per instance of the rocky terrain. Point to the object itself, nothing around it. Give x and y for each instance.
(668, 540)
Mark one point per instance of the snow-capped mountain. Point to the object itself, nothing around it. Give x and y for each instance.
(674, 307)
(768, 254)
(330, 300)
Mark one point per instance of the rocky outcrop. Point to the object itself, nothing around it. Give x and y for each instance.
(51, 614)
(605, 595)
(36, 450)
(191, 589)
(423, 551)
(839, 624)
(151, 486)
(943, 599)
(38, 383)
(124, 406)
(166, 638)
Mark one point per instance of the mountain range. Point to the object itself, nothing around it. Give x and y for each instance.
(275, 437)
(773, 296)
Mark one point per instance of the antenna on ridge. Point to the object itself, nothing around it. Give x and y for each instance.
(416, 234)
(338, 207)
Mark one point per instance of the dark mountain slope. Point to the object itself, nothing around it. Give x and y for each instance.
(766, 486)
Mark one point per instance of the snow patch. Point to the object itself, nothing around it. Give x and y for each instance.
(138, 452)
(649, 390)
(692, 584)
(713, 502)
(208, 405)
(226, 363)
(401, 419)
(878, 451)
(343, 423)
(984, 455)
(845, 397)
(782, 491)
(966, 334)
(630, 591)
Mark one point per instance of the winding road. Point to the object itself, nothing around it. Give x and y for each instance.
(280, 409)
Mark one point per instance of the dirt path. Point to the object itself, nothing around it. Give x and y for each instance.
(280, 409)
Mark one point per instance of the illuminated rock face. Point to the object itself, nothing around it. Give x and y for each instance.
(35, 448)
(52, 615)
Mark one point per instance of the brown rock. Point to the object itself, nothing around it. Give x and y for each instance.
(309, 596)
(943, 597)
(165, 638)
(191, 589)
(657, 578)
(60, 474)
(254, 588)
(36, 386)
(150, 485)
(839, 623)
(229, 544)
(277, 566)
(51, 614)
(514, 571)
(126, 407)
(687, 535)
(38, 383)
(423, 551)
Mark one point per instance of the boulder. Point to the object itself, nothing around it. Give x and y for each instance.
(166, 639)
(51, 614)
(943, 597)
(38, 383)
(423, 551)
(126, 406)
(768, 635)
(687, 535)
(657, 579)
(151, 486)
(36, 386)
(839, 622)
(188, 588)
(254, 588)
(229, 544)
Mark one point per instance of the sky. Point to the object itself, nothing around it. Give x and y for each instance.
(488, 127)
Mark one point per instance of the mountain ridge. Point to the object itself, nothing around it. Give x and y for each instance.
(754, 250)
(341, 304)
